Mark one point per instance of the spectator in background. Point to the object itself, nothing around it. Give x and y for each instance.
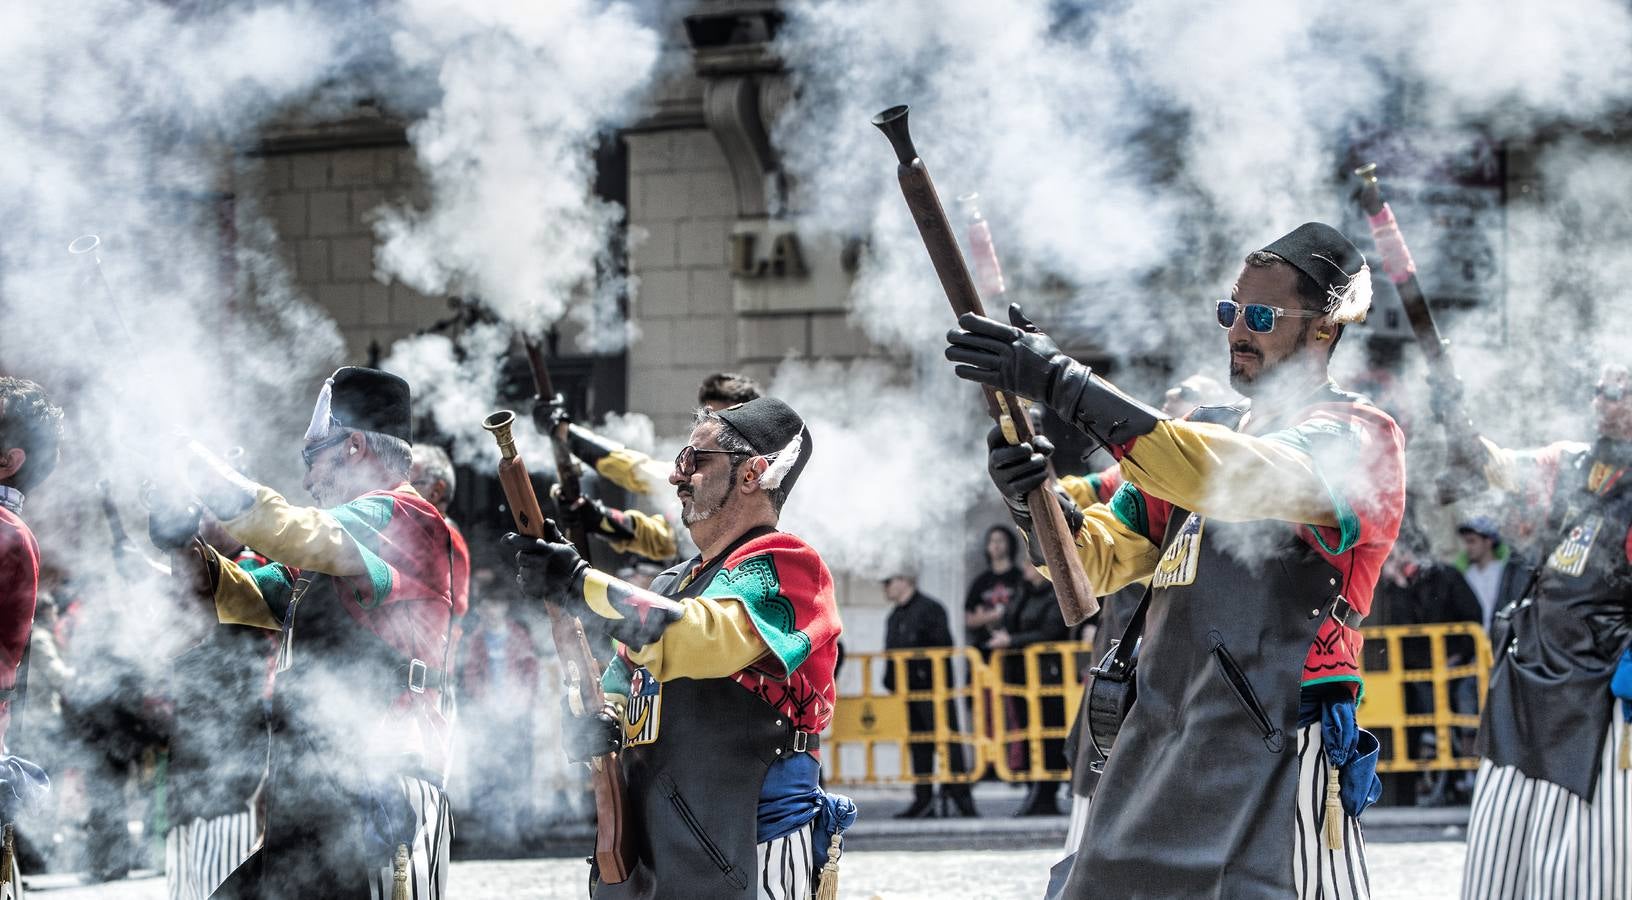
(1496, 575)
(991, 591)
(920, 622)
(499, 686)
(1416, 590)
(1034, 617)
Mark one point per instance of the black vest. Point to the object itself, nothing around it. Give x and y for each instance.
(1549, 708)
(694, 791)
(1198, 796)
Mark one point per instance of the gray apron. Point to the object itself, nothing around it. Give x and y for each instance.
(1549, 707)
(693, 792)
(1198, 797)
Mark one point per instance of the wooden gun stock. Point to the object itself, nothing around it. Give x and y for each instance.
(1071, 587)
(614, 851)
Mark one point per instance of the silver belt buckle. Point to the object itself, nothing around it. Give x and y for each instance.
(416, 676)
(801, 741)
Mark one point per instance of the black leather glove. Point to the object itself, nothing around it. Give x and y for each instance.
(1017, 470)
(172, 517)
(1016, 358)
(1020, 359)
(550, 414)
(592, 734)
(550, 570)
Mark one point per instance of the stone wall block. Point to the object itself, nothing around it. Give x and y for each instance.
(650, 152)
(309, 171)
(329, 213)
(344, 302)
(655, 248)
(352, 259)
(711, 193)
(710, 292)
(312, 261)
(289, 212)
(702, 243)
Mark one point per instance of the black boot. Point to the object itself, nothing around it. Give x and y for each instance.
(923, 804)
(961, 799)
(1041, 800)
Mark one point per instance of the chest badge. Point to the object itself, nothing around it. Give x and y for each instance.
(1570, 557)
(1179, 561)
(645, 710)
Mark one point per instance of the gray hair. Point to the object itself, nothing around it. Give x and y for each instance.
(433, 461)
(394, 453)
(730, 439)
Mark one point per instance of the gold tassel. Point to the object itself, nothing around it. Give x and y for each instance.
(1626, 747)
(827, 888)
(1333, 829)
(399, 874)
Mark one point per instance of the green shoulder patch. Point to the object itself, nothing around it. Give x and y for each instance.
(754, 581)
(364, 519)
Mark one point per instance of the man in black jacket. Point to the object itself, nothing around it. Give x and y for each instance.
(919, 622)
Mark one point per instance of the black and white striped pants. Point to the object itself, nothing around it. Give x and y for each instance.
(428, 851)
(786, 867)
(1317, 873)
(1532, 839)
(200, 854)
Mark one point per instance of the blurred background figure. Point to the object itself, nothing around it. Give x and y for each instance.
(992, 590)
(1033, 617)
(919, 622)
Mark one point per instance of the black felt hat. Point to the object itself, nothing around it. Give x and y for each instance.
(363, 400)
(773, 429)
(1333, 262)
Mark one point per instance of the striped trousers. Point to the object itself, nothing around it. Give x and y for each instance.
(1531, 839)
(786, 869)
(1317, 873)
(427, 851)
(200, 854)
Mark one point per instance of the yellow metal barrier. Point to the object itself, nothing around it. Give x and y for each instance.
(1037, 691)
(1011, 724)
(872, 720)
(1386, 709)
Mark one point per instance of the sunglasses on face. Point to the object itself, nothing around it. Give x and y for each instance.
(686, 461)
(1260, 317)
(309, 454)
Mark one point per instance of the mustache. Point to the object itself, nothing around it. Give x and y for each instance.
(1245, 348)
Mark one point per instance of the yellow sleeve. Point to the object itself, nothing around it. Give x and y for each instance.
(1113, 555)
(654, 536)
(713, 638)
(1079, 490)
(1260, 478)
(300, 537)
(631, 470)
(238, 599)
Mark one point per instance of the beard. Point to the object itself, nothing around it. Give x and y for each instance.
(701, 509)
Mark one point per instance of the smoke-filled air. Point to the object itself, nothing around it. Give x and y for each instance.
(259, 193)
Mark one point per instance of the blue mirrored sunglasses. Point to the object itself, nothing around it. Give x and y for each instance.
(1260, 317)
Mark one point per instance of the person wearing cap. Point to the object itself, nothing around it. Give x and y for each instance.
(630, 530)
(1494, 571)
(723, 679)
(1553, 795)
(1262, 527)
(360, 590)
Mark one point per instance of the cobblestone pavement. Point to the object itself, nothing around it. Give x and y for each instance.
(1422, 871)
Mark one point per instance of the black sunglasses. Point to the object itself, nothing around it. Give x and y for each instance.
(309, 454)
(1260, 317)
(686, 460)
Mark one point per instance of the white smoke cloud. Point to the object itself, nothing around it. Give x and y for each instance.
(1129, 155)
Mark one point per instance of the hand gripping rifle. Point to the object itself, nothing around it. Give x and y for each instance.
(566, 468)
(614, 852)
(1076, 596)
(1463, 439)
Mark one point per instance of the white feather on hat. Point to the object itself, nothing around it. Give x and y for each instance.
(782, 462)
